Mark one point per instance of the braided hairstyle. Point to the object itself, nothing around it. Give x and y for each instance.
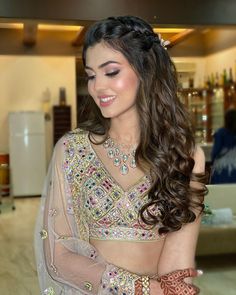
(167, 146)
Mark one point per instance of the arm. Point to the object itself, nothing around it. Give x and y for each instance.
(179, 248)
(66, 263)
(69, 264)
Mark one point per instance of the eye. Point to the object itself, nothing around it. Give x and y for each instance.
(112, 74)
(90, 77)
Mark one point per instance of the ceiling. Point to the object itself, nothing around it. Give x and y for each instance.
(30, 31)
(66, 39)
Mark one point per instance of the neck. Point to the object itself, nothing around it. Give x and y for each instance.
(125, 131)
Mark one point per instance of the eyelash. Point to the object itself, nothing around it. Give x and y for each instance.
(112, 74)
(90, 78)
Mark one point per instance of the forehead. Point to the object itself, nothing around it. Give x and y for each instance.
(100, 53)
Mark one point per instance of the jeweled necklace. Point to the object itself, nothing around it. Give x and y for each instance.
(118, 157)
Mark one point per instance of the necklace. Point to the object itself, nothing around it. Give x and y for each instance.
(119, 158)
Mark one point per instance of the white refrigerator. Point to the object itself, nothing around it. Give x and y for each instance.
(27, 149)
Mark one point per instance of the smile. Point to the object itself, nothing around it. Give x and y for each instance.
(107, 98)
(106, 101)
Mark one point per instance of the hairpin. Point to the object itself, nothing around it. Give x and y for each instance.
(164, 43)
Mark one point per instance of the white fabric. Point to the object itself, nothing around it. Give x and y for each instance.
(65, 262)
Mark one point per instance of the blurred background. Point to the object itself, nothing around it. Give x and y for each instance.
(42, 82)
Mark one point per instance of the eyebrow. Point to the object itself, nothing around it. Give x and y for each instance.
(104, 64)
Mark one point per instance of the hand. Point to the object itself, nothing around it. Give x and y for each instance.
(174, 284)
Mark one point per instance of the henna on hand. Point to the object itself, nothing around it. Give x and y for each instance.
(173, 283)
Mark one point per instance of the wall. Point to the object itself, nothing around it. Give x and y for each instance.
(210, 64)
(199, 73)
(26, 81)
(221, 60)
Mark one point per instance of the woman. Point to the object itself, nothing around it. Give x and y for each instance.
(224, 151)
(122, 205)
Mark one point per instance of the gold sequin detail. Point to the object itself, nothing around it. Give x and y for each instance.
(145, 285)
(53, 267)
(43, 234)
(49, 291)
(88, 286)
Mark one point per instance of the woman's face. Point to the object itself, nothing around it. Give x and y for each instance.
(112, 82)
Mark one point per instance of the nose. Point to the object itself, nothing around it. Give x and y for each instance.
(100, 83)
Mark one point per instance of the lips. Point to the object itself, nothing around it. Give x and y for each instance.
(106, 100)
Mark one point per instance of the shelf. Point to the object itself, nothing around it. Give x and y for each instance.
(61, 121)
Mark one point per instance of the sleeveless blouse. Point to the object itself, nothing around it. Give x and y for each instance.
(106, 211)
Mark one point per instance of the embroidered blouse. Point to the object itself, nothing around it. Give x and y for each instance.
(110, 212)
(80, 201)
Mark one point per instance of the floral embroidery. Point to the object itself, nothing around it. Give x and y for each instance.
(43, 234)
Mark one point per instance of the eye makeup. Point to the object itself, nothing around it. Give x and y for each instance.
(112, 73)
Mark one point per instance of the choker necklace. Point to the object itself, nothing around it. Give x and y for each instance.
(118, 157)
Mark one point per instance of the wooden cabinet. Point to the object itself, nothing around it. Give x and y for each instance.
(207, 108)
(61, 121)
(197, 102)
(230, 96)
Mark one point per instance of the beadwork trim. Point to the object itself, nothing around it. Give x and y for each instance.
(146, 285)
(123, 233)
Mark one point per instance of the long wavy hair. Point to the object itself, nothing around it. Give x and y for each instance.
(167, 146)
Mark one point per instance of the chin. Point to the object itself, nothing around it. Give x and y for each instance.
(109, 114)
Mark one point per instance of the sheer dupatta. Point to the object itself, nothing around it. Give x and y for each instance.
(66, 263)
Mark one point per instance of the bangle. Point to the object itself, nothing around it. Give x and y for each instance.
(145, 285)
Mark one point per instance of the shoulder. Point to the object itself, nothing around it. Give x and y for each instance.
(70, 140)
(199, 160)
(75, 135)
(220, 131)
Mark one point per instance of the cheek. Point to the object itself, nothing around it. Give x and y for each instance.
(129, 84)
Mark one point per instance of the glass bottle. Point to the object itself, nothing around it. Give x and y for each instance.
(231, 80)
(217, 82)
(62, 96)
(225, 78)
